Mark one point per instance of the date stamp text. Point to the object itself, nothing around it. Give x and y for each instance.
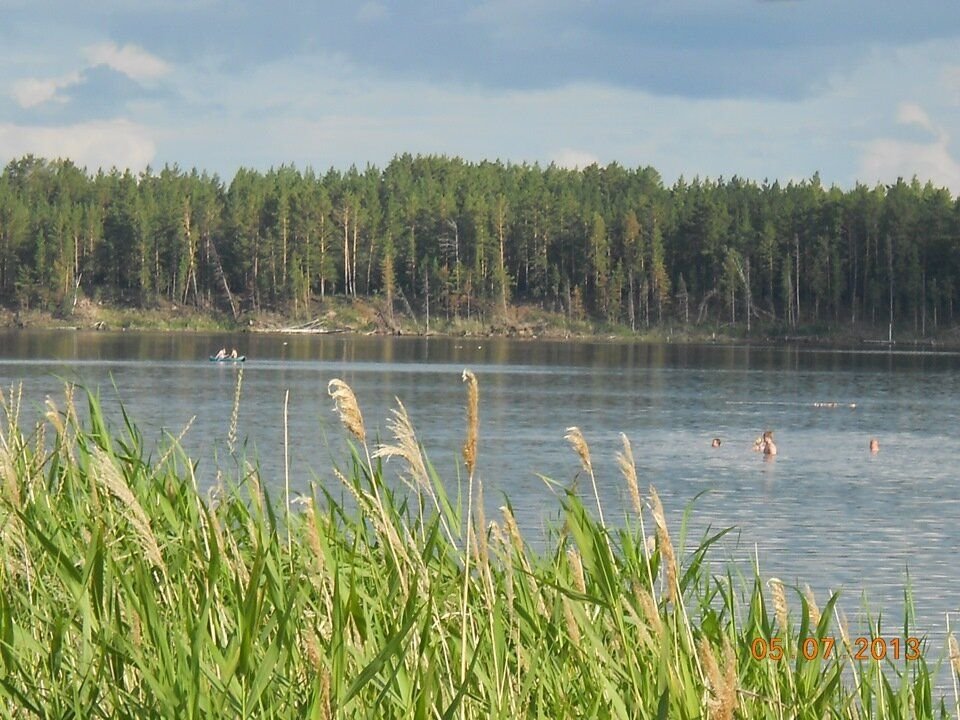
(861, 648)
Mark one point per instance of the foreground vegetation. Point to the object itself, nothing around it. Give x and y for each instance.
(126, 592)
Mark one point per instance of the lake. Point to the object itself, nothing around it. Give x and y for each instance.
(825, 512)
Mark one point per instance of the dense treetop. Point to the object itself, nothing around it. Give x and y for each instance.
(470, 239)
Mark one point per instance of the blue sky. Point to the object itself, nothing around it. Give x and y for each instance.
(763, 89)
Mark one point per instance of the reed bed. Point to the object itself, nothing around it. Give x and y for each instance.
(127, 592)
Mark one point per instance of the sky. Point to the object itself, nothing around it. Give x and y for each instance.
(855, 90)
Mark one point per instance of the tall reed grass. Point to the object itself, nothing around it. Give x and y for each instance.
(126, 592)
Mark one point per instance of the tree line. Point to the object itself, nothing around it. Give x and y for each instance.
(446, 236)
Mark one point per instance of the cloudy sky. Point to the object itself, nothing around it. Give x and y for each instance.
(857, 90)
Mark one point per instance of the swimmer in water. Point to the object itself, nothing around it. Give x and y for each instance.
(715, 443)
(874, 446)
(769, 447)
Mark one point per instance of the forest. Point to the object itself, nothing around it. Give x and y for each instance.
(471, 240)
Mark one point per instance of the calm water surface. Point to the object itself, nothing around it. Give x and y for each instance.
(824, 512)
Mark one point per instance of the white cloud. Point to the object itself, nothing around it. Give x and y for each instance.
(573, 159)
(913, 114)
(129, 60)
(100, 144)
(31, 92)
(132, 61)
(886, 160)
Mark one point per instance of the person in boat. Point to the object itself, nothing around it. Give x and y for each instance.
(221, 353)
(233, 353)
(769, 447)
(874, 446)
(715, 443)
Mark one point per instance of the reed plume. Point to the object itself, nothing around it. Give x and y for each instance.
(108, 475)
(780, 606)
(346, 406)
(470, 460)
(711, 670)
(313, 537)
(573, 630)
(13, 537)
(407, 448)
(728, 699)
(473, 421)
(648, 607)
(812, 606)
(576, 569)
(663, 541)
(954, 649)
(722, 685)
(629, 470)
(579, 444)
(235, 413)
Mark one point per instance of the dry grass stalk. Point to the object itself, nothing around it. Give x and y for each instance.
(470, 460)
(576, 569)
(347, 407)
(579, 444)
(212, 521)
(53, 417)
(954, 649)
(780, 607)
(722, 685)
(728, 700)
(107, 474)
(11, 485)
(667, 554)
(39, 455)
(480, 528)
(313, 537)
(11, 409)
(711, 670)
(503, 540)
(408, 448)
(648, 607)
(629, 470)
(513, 532)
(385, 529)
(844, 632)
(325, 707)
(136, 629)
(235, 413)
(173, 446)
(311, 649)
(812, 606)
(573, 630)
(473, 421)
(13, 538)
(520, 551)
(417, 478)
(254, 489)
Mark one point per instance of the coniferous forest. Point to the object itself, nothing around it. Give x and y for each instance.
(468, 240)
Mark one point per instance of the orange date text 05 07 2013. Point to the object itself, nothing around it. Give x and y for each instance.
(861, 648)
